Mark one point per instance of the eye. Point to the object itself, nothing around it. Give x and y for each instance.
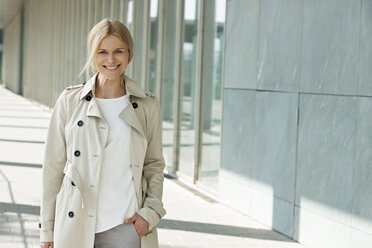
(118, 51)
(102, 52)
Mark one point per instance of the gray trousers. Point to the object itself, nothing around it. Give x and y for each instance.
(121, 236)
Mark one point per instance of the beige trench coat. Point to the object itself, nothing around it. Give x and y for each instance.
(71, 170)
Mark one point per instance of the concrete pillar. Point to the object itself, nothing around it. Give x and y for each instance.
(169, 52)
(208, 64)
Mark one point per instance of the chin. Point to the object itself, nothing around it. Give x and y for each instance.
(112, 76)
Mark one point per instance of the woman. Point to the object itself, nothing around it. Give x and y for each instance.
(103, 165)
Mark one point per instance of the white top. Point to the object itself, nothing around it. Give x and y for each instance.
(116, 194)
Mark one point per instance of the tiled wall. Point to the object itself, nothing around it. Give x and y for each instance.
(296, 144)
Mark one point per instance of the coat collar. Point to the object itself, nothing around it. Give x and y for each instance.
(128, 114)
(132, 87)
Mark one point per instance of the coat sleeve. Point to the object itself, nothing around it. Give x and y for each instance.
(154, 164)
(53, 165)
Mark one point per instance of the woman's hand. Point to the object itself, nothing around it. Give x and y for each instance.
(46, 245)
(140, 224)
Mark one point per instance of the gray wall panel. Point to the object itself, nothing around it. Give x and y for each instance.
(330, 46)
(259, 143)
(327, 54)
(365, 52)
(241, 45)
(326, 155)
(275, 142)
(238, 132)
(280, 29)
(282, 216)
(362, 183)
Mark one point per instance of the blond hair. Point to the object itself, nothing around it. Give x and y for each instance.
(101, 30)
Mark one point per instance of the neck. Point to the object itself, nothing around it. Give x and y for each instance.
(106, 88)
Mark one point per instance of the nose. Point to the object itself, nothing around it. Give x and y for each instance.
(110, 58)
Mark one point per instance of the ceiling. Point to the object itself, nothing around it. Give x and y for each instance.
(8, 9)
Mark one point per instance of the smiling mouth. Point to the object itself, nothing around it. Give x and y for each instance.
(111, 68)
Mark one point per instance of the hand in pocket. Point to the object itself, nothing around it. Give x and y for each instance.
(140, 224)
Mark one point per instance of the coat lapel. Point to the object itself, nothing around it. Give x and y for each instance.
(137, 148)
(89, 89)
(128, 114)
(94, 110)
(130, 117)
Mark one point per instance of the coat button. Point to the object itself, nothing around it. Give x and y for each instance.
(70, 214)
(135, 105)
(40, 225)
(80, 123)
(72, 183)
(77, 153)
(88, 98)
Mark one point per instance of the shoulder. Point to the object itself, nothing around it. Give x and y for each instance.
(150, 96)
(74, 87)
(150, 100)
(149, 104)
(72, 90)
(70, 94)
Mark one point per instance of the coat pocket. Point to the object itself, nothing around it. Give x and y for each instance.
(74, 179)
(69, 208)
(63, 193)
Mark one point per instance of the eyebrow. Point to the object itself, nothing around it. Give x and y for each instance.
(123, 48)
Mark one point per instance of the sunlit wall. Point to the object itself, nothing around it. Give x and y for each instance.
(296, 137)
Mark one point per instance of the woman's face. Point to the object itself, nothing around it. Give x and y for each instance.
(111, 58)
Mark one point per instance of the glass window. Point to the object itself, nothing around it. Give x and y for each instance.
(168, 78)
(130, 26)
(90, 18)
(115, 9)
(213, 35)
(130, 16)
(153, 45)
(106, 7)
(187, 130)
(122, 14)
(97, 11)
